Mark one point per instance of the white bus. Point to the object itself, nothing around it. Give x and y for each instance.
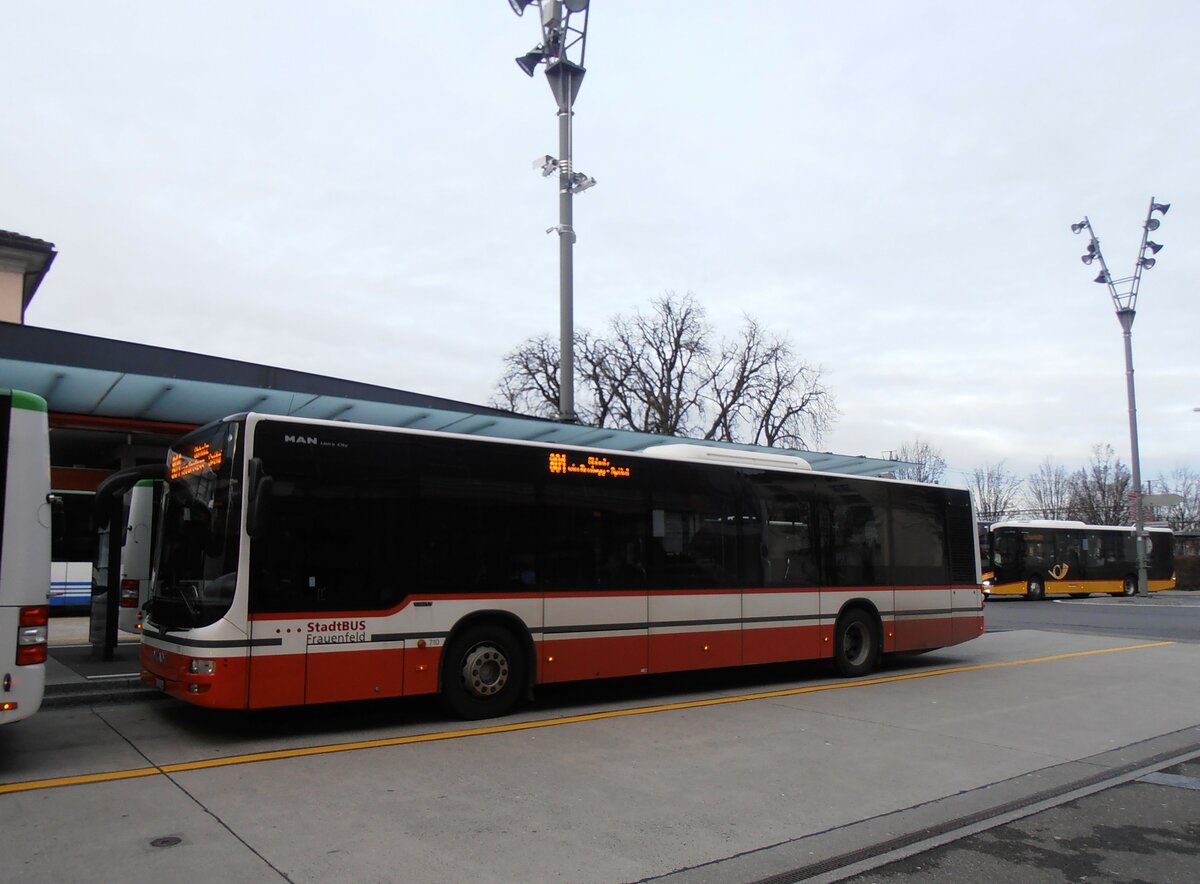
(24, 553)
(141, 525)
(72, 550)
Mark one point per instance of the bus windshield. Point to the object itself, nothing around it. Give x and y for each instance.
(198, 530)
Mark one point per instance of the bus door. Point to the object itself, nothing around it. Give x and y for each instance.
(593, 568)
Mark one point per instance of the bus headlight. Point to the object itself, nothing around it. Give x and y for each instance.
(202, 667)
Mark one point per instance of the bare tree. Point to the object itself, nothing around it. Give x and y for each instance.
(995, 490)
(1183, 516)
(757, 392)
(1049, 491)
(924, 462)
(1099, 491)
(664, 356)
(659, 372)
(530, 383)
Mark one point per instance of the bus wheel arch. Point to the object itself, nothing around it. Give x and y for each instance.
(486, 665)
(857, 639)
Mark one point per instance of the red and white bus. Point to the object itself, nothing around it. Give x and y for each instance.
(25, 517)
(309, 562)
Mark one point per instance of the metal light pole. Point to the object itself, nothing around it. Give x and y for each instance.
(562, 35)
(1125, 302)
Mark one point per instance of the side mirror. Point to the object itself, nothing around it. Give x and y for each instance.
(261, 489)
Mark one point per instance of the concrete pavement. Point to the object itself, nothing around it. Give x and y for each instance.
(1120, 815)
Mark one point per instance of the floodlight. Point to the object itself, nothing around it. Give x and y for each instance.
(574, 5)
(530, 60)
(1153, 224)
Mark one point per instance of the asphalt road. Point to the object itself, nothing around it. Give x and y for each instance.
(1173, 616)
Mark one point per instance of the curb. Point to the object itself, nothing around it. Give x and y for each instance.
(86, 693)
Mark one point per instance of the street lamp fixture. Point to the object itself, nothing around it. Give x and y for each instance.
(563, 33)
(1124, 294)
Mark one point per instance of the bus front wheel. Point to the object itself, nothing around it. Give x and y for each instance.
(1129, 587)
(855, 644)
(483, 672)
(1035, 589)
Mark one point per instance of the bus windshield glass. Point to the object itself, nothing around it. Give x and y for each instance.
(199, 530)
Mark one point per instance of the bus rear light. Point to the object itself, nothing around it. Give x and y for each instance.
(129, 593)
(8, 706)
(202, 667)
(31, 655)
(38, 615)
(32, 635)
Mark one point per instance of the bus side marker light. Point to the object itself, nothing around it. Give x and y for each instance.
(550, 659)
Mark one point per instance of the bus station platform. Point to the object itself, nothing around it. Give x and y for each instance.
(74, 674)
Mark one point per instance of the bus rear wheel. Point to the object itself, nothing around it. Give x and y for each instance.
(483, 672)
(1035, 589)
(855, 644)
(1129, 587)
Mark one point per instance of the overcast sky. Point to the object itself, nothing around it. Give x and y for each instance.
(346, 188)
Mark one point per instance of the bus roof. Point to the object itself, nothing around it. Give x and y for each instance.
(1065, 525)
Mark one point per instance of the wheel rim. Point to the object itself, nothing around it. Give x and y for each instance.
(856, 644)
(1130, 587)
(485, 671)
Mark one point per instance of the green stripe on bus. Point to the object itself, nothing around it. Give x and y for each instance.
(27, 401)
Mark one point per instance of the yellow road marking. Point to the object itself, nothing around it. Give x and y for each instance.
(281, 754)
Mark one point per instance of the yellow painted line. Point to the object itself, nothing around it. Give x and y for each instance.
(513, 727)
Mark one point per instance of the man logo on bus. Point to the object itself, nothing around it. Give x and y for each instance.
(300, 440)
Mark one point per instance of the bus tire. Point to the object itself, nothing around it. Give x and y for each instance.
(484, 672)
(855, 644)
(1035, 589)
(1129, 587)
